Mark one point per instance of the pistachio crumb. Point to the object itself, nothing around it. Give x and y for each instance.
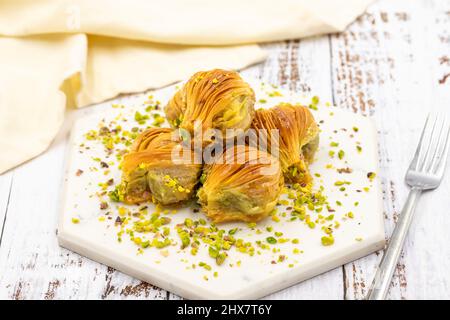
(327, 240)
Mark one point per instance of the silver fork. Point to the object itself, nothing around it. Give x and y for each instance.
(424, 173)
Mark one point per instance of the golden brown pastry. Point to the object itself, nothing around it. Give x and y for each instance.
(244, 187)
(218, 99)
(298, 138)
(150, 171)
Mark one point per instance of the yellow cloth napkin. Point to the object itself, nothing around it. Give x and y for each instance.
(58, 53)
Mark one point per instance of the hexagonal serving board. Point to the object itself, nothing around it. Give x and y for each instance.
(93, 232)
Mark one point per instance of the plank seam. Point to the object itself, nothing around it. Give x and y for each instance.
(344, 285)
(6, 210)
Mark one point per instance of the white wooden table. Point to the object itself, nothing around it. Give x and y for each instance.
(392, 64)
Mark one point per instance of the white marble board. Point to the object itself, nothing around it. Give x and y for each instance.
(254, 276)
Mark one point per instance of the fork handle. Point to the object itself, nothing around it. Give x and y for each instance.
(382, 280)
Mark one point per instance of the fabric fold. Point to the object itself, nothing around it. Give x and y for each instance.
(34, 91)
(125, 66)
(194, 22)
(58, 53)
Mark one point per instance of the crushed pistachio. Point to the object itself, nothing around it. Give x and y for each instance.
(205, 266)
(334, 144)
(158, 120)
(314, 102)
(341, 183)
(327, 240)
(278, 234)
(371, 175)
(275, 94)
(140, 118)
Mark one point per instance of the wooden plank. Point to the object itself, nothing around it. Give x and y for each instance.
(32, 264)
(426, 258)
(366, 62)
(6, 180)
(5, 193)
(380, 68)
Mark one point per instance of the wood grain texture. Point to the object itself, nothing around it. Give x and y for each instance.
(392, 64)
(426, 256)
(381, 67)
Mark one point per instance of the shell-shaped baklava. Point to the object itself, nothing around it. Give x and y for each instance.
(216, 99)
(291, 132)
(242, 184)
(159, 167)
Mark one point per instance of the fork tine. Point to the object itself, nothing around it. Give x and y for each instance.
(423, 163)
(444, 154)
(415, 161)
(422, 157)
(438, 146)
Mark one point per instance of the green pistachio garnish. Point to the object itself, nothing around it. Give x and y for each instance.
(271, 240)
(327, 240)
(334, 144)
(371, 175)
